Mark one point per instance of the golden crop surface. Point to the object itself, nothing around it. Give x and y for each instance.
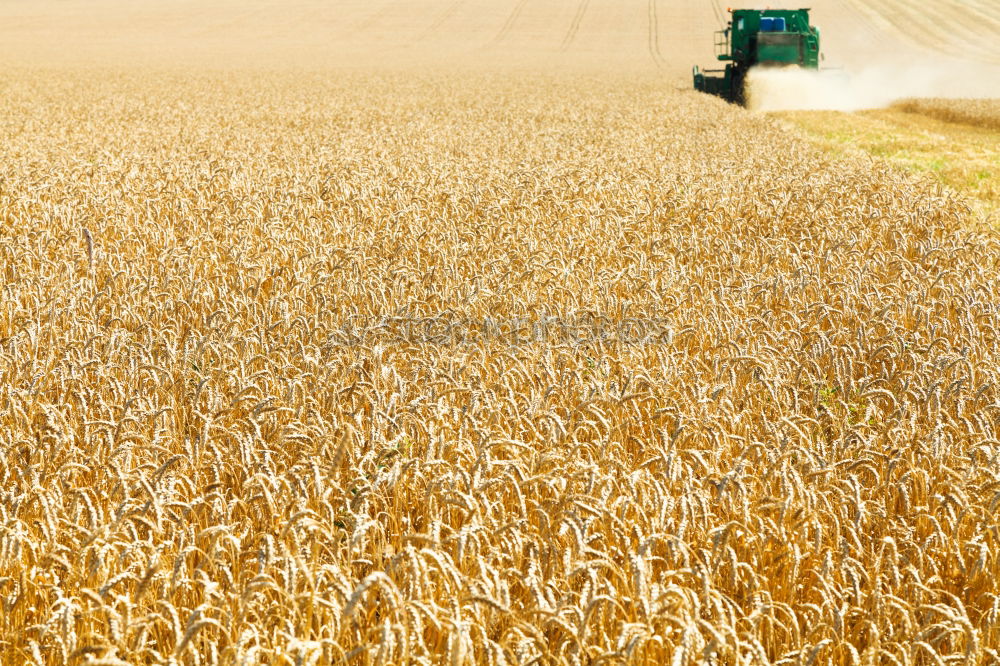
(481, 368)
(963, 28)
(977, 112)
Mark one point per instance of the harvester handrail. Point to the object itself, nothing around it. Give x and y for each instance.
(722, 43)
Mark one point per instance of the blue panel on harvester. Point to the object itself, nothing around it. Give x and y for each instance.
(779, 24)
(767, 24)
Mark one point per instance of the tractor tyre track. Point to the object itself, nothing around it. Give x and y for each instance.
(654, 35)
(720, 16)
(574, 26)
(375, 17)
(511, 20)
(440, 20)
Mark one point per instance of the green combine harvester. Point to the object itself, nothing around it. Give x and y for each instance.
(759, 38)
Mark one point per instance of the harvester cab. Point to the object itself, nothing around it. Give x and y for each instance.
(759, 38)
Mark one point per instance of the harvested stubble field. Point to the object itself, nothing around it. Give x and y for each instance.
(954, 142)
(252, 409)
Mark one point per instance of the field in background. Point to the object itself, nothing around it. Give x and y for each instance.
(461, 331)
(668, 35)
(964, 29)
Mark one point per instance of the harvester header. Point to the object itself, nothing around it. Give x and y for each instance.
(759, 38)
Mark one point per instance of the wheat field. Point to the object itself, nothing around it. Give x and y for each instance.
(478, 364)
(231, 434)
(669, 35)
(961, 28)
(983, 113)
